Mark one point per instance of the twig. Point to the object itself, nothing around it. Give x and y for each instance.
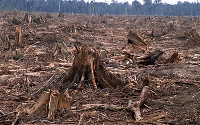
(135, 106)
(2, 113)
(150, 120)
(81, 118)
(16, 121)
(7, 114)
(132, 106)
(48, 83)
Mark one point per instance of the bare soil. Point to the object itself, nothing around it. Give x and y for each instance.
(174, 88)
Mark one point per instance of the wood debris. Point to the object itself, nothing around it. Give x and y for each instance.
(88, 79)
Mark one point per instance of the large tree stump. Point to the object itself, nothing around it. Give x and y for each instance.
(88, 68)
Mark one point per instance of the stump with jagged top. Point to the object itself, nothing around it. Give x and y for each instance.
(87, 70)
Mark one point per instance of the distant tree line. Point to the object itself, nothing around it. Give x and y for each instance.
(81, 7)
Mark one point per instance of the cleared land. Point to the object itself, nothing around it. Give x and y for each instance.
(174, 95)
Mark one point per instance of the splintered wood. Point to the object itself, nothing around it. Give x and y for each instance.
(87, 67)
(53, 104)
(18, 36)
(49, 102)
(135, 106)
(40, 104)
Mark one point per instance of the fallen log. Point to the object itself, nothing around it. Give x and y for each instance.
(133, 106)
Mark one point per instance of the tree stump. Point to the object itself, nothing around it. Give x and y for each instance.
(18, 36)
(86, 68)
(151, 58)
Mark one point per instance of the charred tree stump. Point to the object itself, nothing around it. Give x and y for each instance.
(151, 58)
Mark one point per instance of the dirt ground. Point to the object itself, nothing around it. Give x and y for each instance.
(174, 88)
